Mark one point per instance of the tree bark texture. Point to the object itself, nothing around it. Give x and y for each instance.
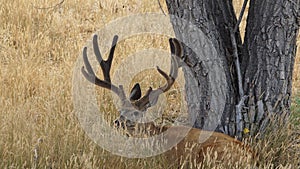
(267, 59)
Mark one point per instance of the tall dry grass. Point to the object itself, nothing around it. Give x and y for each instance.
(38, 50)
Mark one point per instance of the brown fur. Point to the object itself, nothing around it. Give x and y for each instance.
(197, 146)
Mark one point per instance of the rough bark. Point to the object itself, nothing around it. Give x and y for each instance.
(269, 56)
(212, 18)
(267, 60)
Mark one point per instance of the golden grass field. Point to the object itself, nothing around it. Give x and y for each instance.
(38, 50)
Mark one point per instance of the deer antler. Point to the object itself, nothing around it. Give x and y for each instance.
(151, 96)
(105, 66)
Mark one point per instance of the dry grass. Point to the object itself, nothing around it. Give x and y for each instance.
(38, 50)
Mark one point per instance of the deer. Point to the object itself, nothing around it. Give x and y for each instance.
(224, 148)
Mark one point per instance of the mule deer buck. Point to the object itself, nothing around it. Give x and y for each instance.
(223, 148)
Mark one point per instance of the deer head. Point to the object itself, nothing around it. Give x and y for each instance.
(134, 107)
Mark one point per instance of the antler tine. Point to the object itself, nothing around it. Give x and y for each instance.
(176, 53)
(104, 64)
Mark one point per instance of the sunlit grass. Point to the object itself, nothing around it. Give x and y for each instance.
(38, 50)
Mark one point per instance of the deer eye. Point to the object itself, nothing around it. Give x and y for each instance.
(135, 113)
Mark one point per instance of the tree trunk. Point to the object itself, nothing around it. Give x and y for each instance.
(212, 89)
(268, 60)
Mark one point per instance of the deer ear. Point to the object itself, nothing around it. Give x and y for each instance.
(135, 92)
